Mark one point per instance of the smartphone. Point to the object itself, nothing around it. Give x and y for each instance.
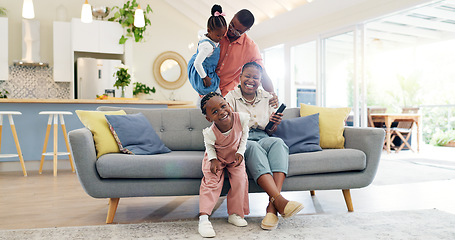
(280, 110)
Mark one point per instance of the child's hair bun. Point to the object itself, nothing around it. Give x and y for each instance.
(216, 8)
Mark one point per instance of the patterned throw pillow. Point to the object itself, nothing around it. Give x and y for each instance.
(300, 134)
(134, 134)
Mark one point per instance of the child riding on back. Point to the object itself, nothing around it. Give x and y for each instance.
(201, 67)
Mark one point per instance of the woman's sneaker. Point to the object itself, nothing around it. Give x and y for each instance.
(237, 220)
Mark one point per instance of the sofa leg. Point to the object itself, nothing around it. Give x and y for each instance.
(312, 192)
(348, 200)
(113, 203)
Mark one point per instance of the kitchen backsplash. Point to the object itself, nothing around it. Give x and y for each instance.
(34, 82)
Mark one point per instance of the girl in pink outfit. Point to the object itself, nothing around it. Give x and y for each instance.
(225, 143)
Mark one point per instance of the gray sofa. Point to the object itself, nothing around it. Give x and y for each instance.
(177, 173)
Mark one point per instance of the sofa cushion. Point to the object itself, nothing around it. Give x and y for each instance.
(331, 124)
(179, 130)
(97, 124)
(134, 134)
(176, 164)
(326, 161)
(300, 134)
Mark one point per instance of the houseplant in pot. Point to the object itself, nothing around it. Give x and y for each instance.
(125, 16)
(123, 79)
(140, 90)
(446, 138)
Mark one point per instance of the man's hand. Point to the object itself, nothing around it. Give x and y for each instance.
(215, 166)
(274, 100)
(238, 159)
(207, 81)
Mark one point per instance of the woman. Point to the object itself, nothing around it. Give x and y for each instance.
(266, 157)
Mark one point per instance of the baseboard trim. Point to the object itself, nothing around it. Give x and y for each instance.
(14, 166)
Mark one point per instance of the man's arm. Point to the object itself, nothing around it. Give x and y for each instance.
(268, 86)
(267, 82)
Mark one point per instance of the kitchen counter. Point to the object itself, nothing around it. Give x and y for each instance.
(96, 101)
(31, 126)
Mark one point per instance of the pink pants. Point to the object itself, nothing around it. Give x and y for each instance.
(237, 197)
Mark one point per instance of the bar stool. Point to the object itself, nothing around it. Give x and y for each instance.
(55, 115)
(16, 140)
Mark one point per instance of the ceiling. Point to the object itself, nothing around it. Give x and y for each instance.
(199, 11)
(431, 23)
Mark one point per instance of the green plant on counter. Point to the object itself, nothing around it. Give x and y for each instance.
(3, 11)
(442, 138)
(142, 88)
(4, 93)
(123, 78)
(125, 16)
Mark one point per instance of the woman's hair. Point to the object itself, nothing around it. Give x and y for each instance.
(245, 17)
(206, 98)
(252, 64)
(218, 21)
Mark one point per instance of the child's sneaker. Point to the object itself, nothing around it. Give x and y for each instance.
(206, 230)
(237, 220)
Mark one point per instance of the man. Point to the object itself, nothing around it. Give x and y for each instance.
(236, 49)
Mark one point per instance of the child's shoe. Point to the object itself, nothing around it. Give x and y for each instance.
(205, 229)
(237, 220)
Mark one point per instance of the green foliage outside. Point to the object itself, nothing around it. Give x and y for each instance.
(125, 16)
(142, 88)
(442, 138)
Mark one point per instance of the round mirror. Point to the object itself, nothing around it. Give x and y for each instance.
(169, 70)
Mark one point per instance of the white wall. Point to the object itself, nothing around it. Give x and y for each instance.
(170, 31)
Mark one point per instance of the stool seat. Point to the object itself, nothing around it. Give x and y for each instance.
(54, 117)
(56, 112)
(58, 153)
(16, 140)
(10, 112)
(7, 155)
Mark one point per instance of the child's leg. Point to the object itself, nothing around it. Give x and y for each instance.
(209, 192)
(237, 198)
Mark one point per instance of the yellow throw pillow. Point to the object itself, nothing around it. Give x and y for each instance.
(97, 124)
(331, 124)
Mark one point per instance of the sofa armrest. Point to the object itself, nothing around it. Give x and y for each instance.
(369, 141)
(84, 154)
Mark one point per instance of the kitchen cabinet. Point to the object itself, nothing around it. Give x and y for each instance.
(96, 37)
(3, 48)
(62, 52)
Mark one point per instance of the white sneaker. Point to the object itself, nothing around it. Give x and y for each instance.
(237, 220)
(206, 230)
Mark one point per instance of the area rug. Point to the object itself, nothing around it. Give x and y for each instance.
(420, 224)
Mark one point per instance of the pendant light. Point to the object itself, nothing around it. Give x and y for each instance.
(27, 9)
(86, 13)
(139, 20)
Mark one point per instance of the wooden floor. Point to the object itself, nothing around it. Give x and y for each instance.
(43, 201)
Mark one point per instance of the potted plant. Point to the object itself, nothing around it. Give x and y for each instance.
(125, 16)
(3, 11)
(140, 90)
(123, 78)
(4, 93)
(444, 139)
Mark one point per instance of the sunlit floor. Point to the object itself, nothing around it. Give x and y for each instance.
(405, 181)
